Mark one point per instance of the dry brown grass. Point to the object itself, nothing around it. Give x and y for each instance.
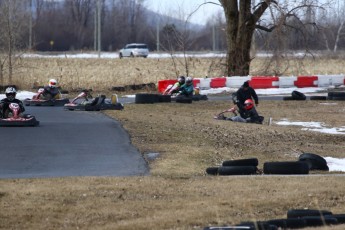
(178, 194)
(102, 74)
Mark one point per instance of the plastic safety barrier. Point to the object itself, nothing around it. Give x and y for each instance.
(287, 81)
(306, 81)
(236, 81)
(328, 80)
(264, 82)
(218, 82)
(163, 84)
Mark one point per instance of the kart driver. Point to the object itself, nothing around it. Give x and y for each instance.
(49, 92)
(175, 88)
(243, 93)
(10, 98)
(249, 115)
(187, 88)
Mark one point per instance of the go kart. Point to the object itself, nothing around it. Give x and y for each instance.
(85, 102)
(175, 94)
(36, 101)
(14, 119)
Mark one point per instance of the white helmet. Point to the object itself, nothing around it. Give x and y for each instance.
(52, 83)
(10, 93)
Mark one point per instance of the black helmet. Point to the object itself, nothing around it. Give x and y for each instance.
(10, 93)
(181, 80)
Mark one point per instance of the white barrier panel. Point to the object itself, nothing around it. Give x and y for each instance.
(205, 83)
(328, 80)
(236, 81)
(287, 82)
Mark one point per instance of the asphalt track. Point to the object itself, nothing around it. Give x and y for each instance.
(68, 143)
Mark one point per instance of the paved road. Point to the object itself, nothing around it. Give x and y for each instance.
(68, 143)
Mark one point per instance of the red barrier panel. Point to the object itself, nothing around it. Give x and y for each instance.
(218, 82)
(196, 82)
(163, 84)
(264, 82)
(306, 81)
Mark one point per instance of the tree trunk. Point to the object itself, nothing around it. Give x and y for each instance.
(241, 23)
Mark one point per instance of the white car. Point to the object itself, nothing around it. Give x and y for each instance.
(134, 50)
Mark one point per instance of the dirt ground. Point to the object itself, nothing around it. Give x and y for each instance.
(186, 140)
(178, 194)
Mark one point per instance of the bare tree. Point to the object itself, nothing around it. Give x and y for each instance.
(80, 13)
(11, 23)
(242, 20)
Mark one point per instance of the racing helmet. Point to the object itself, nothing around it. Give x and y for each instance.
(189, 80)
(52, 83)
(181, 80)
(10, 93)
(248, 104)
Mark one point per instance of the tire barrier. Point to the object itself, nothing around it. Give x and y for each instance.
(242, 162)
(340, 96)
(315, 162)
(146, 98)
(299, 213)
(298, 96)
(296, 219)
(286, 168)
(236, 170)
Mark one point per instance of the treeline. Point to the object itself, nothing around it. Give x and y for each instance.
(68, 25)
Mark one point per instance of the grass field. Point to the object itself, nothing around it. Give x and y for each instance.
(178, 194)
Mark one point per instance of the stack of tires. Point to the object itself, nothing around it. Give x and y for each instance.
(148, 98)
(296, 219)
(336, 95)
(306, 162)
(235, 167)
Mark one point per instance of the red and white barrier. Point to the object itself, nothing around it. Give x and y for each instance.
(263, 82)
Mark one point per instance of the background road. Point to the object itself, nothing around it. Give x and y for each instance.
(68, 143)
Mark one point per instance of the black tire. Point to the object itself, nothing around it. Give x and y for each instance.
(212, 170)
(318, 98)
(312, 221)
(242, 162)
(339, 217)
(120, 55)
(286, 167)
(296, 95)
(288, 99)
(315, 162)
(236, 170)
(258, 225)
(146, 98)
(185, 100)
(299, 213)
(337, 94)
(195, 98)
(164, 98)
(281, 223)
(294, 223)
